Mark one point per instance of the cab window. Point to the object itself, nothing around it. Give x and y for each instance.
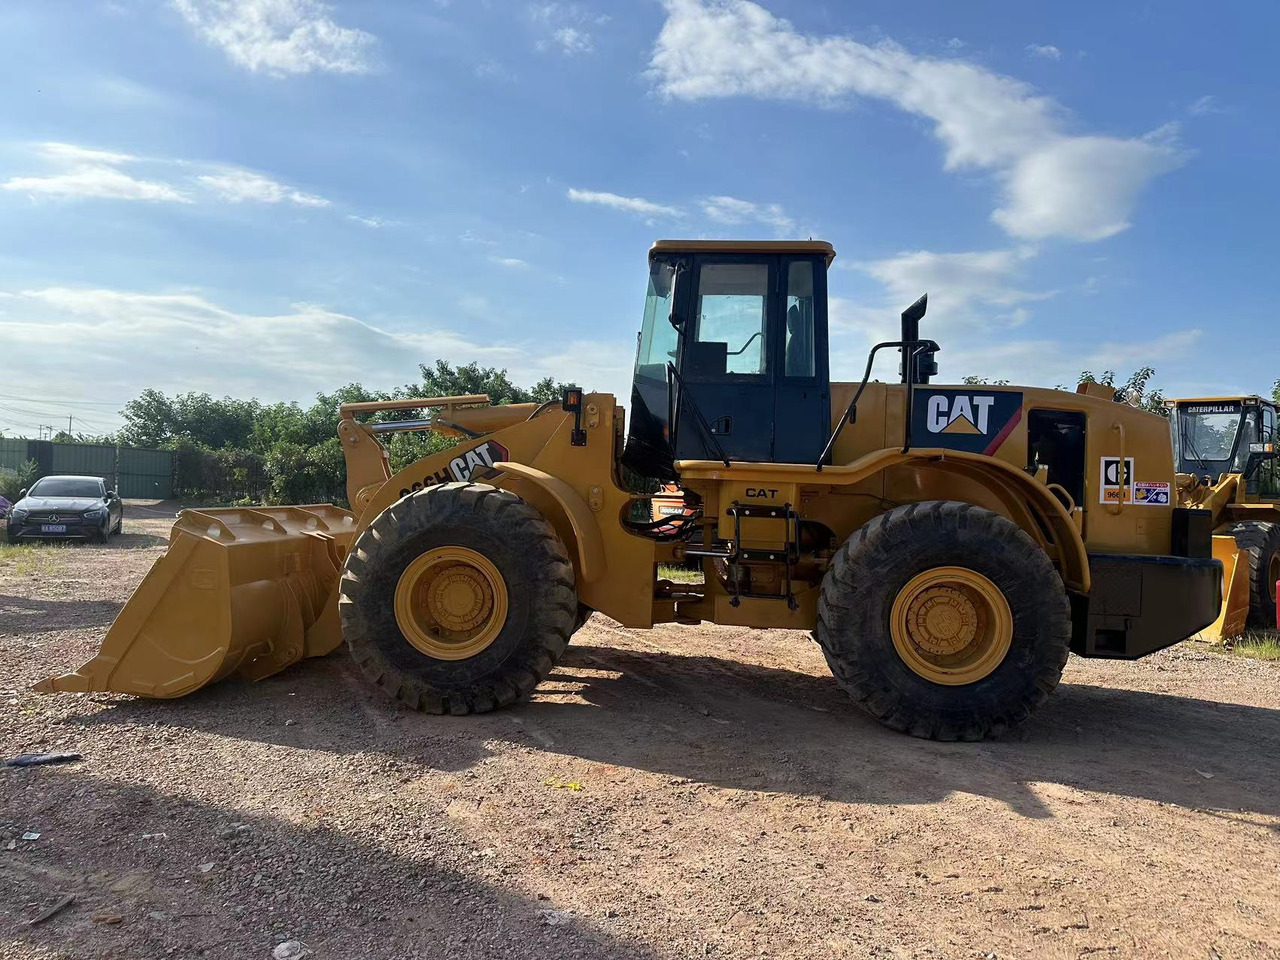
(657, 335)
(732, 311)
(799, 353)
(1269, 471)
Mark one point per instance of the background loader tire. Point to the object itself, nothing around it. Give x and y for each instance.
(1260, 542)
(541, 598)
(888, 553)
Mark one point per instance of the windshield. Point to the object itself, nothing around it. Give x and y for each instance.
(66, 487)
(1209, 433)
(657, 335)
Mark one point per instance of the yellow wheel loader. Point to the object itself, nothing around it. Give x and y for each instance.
(1225, 454)
(945, 545)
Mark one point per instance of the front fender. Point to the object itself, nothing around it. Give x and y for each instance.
(588, 544)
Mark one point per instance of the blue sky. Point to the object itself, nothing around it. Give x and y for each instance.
(274, 197)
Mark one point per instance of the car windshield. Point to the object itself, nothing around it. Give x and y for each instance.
(66, 487)
(1210, 434)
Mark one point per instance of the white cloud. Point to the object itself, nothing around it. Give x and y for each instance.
(273, 355)
(85, 172)
(566, 26)
(279, 37)
(973, 290)
(240, 186)
(735, 212)
(638, 205)
(1046, 50)
(373, 223)
(573, 41)
(514, 263)
(1054, 182)
(71, 153)
(1204, 106)
(94, 182)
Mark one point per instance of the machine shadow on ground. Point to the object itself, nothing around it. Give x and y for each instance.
(745, 726)
(25, 616)
(347, 895)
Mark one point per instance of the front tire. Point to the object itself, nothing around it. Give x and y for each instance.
(1260, 542)
(458, 599)
(945, 621)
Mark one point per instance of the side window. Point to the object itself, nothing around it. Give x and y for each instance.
(733, 311)
(657, 335)
(799, 319)
(1270, 469)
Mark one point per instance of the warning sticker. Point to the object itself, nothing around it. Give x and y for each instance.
(1151, 494)
(1114, 484)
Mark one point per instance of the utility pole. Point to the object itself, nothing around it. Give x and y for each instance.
(68, 423)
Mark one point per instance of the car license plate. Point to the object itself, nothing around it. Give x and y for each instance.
(53, 528)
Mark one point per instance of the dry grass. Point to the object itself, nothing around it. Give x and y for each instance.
(27, 559)
(679, 574)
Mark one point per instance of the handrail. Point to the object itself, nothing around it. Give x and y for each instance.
(414, 403)
(911, 348)
(1115, 508)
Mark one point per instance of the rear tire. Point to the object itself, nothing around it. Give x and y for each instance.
(537, 587)
(890, 554)
(1261, 543)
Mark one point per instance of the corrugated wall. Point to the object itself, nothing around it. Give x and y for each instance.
(13, 454)
(86, 460)
(145, 473)
(130, 471)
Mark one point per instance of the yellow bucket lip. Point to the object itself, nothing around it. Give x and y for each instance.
(248, 590)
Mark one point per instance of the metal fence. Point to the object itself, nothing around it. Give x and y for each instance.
(132, 472)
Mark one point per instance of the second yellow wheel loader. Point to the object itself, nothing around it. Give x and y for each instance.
(945, 545)
(1225, 454)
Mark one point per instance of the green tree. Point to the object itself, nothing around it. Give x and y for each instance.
(1152, 401)
(442, 380)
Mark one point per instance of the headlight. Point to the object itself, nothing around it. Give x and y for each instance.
(18, 515)
(96, 513)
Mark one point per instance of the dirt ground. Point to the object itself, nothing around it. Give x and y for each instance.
(685, 792)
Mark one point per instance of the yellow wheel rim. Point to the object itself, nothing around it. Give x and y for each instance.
(451, 603)
(951, 625)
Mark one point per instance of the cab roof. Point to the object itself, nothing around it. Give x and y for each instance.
(1251, 399)
(820, 247)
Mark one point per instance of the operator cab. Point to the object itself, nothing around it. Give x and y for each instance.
(1217, 436)
(732, 360)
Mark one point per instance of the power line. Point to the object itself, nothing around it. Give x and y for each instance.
(64, 401)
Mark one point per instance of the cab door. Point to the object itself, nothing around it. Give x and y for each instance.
(802, 393)
(725, 391)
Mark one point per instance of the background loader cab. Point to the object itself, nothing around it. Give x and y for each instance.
(1225, 452)
(732, 358)
(1217, 437)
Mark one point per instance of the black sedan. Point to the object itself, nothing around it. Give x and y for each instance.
(75, 508)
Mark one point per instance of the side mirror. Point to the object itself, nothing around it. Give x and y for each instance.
(111, 495)
(22, 493)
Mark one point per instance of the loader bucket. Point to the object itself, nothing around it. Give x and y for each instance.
(1235, 592)
(238, 590)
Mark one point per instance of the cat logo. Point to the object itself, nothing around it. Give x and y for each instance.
(960, 414)
(461, 467)
(964, 419)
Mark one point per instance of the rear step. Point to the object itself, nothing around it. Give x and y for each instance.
(248, 590)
